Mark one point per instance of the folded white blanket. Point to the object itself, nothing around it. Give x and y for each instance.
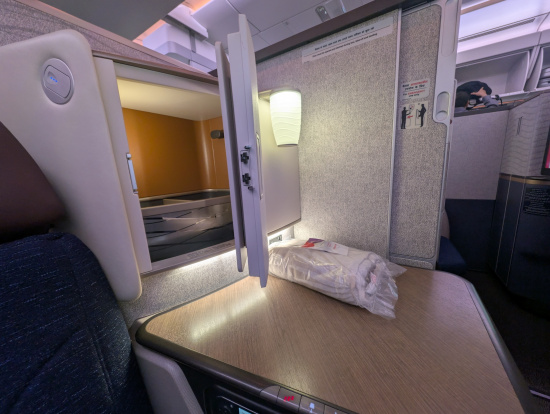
(360, 278)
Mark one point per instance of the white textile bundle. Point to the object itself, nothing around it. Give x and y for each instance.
(360, 278)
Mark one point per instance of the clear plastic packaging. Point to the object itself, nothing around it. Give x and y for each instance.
(359, 278)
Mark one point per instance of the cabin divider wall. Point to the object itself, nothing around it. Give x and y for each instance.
(472, 180)
(349, 191)
(419, 152)
(345, 148)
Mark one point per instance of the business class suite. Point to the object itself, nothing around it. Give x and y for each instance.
(429, 303)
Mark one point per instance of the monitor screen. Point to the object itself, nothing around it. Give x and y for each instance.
(546, 160)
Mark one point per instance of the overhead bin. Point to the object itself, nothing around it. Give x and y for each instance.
(506, 75)
(511, 68)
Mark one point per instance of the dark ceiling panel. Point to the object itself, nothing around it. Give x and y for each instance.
(127, 18)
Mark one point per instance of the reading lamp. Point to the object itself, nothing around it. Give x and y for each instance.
(286, 115)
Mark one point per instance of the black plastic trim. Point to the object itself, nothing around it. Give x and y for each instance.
(514, 375)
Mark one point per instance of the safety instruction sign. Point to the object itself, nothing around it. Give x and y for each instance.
(415, 89)
(414, 115)
(361, 34)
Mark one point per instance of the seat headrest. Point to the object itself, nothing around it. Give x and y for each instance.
(28, 203)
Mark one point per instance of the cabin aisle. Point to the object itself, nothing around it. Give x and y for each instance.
(527, 335)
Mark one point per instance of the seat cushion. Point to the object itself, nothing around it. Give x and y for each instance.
(64, 346)
(29, 203)
(450, 259)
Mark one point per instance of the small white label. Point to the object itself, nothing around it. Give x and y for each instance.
(361, 34)
(415, 89)
(326, 246)
(414, 115)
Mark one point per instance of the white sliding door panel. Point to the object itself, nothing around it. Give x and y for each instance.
(232, 154)
(245, 105)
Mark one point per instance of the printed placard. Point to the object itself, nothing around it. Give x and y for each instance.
(414, 115)
(362, 34)
(415, 89)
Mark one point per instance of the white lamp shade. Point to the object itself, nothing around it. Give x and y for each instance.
(286, 116)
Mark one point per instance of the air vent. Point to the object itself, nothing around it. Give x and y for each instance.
(497, 29)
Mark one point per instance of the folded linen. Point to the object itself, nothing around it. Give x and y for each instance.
(359, 278)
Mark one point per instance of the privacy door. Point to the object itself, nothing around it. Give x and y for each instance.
(239, 99)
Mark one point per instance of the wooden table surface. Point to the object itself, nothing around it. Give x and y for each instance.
(435, 357)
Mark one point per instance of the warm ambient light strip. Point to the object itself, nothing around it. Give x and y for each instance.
(286, 116)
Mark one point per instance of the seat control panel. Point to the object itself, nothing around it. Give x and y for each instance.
(296, 402)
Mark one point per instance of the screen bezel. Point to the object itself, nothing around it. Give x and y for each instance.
(545, 170)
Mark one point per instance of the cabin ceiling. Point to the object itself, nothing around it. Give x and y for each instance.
(500, 20)
(482, 21)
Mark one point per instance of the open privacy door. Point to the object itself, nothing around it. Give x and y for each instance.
(239, 98)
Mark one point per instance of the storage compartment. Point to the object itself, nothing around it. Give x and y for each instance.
(540, 78)
(506, 75)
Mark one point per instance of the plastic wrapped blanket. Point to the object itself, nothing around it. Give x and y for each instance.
(359, 278)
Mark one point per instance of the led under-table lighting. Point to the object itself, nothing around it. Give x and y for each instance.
(286, 116)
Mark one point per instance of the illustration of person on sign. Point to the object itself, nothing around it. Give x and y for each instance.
(421, 114)
(404, 114)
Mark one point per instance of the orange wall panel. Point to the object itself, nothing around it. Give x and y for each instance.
(174, 155)
(215, 168)
(165, 153)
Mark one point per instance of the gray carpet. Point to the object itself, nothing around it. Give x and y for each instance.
(526, 332)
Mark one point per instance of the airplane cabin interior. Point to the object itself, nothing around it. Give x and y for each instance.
(243, 207)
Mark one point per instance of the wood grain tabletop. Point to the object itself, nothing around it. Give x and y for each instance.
(435, 357)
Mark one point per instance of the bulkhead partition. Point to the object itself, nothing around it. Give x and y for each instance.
(345, 148)
(371, 175)
(420, 153)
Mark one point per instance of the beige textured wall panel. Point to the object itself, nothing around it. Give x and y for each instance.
(346, 138)
(419, 153)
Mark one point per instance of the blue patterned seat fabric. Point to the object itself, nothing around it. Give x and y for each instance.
(64, 346)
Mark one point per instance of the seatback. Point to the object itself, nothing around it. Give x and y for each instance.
(64, 346)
